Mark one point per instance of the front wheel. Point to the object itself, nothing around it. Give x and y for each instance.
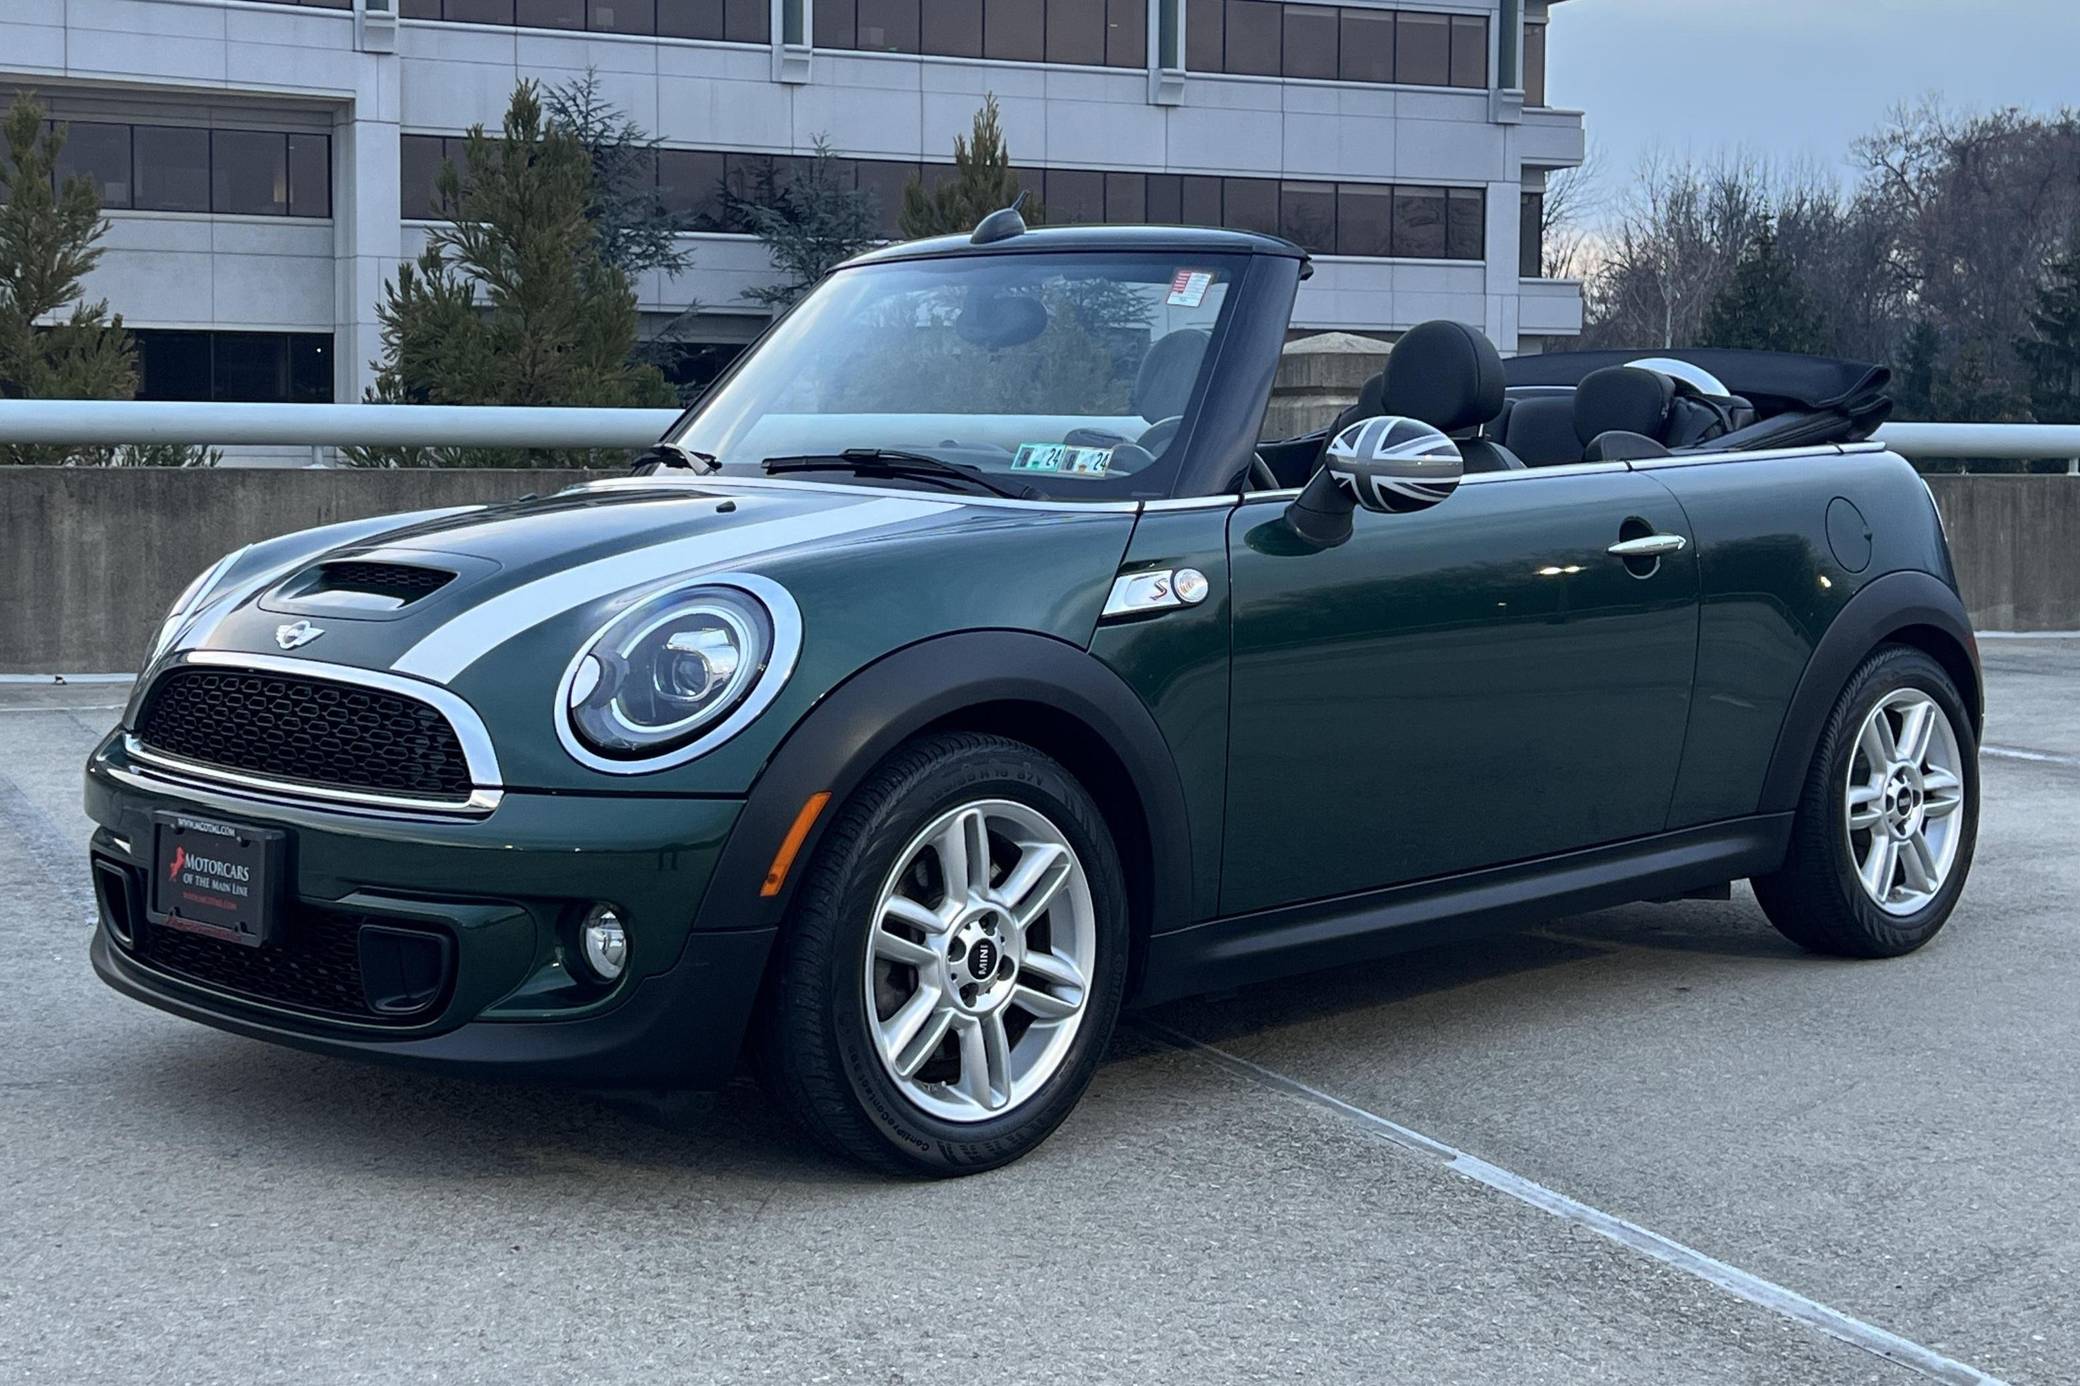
(954, 966)
(1889, 817)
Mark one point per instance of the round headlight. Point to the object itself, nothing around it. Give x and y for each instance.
(668, 671)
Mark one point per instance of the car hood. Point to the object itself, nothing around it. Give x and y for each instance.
(523, 587)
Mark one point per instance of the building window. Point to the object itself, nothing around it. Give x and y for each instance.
(1364, 219)
(100, 153)
(1465, 228)
(1311, 38)
(1126, 33)
(1419, 216)
(182, 168)
(1531, 237)
(1266, 38)
(1374, 220)
(234, 367)
(1365, 46)
(1307, 216)
(249, 173)
(171, 164)
(1254, 38)
(1094, 33)
(1534, 64)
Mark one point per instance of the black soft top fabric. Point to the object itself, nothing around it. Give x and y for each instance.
(1776, 382)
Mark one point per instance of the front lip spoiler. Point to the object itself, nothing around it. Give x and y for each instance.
(679, 1029)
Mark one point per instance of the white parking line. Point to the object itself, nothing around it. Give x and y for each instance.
(2036, 757)
(1754, 1289)
(91, 707)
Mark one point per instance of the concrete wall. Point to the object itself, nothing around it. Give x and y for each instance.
(90, 559)
(2016, 542)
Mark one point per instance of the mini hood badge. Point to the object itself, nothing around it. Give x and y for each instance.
(297, 634)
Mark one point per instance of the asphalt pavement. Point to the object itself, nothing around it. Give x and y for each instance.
(1653, 1144)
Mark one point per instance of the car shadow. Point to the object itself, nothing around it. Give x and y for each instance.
(1732, 932)
(358, 1118)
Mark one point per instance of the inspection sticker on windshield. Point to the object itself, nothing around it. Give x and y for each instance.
(1188, 288)
(1062, 457)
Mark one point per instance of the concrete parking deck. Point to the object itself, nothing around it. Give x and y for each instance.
(1894, 1142)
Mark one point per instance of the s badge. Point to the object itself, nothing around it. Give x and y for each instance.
(297, 634)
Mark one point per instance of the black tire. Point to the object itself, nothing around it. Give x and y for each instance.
(813, 1049)
(1815, 899)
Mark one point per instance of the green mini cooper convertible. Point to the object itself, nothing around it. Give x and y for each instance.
(963, 669)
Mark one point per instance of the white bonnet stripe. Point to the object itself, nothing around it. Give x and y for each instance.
(459, 643)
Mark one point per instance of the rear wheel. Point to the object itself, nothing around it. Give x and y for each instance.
(1889, 817)
(955, 963)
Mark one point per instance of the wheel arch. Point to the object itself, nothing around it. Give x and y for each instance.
(1028, 687)
(1905, 608)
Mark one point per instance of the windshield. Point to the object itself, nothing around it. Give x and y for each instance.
(1069, 376)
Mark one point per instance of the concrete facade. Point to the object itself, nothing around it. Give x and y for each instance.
(369, 78)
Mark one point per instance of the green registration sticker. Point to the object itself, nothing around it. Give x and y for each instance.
(1063, 458)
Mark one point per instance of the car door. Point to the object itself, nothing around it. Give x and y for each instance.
(1479, 683)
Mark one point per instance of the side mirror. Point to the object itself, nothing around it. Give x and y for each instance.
(1389, 465)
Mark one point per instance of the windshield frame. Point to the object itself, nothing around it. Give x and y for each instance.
(1161, 480)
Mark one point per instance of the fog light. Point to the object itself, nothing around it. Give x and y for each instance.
(606, 943)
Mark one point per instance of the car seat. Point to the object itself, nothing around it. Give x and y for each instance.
(1447, 375)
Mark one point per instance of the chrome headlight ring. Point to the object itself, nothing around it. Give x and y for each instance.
(625, 706)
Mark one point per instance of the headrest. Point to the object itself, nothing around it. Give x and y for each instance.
(1445, 374)
(1622, 399)
(1163, 386)
(1541, 431)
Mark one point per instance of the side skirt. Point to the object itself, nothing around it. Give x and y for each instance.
(1233, 952)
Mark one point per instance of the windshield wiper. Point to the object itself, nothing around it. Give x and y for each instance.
(893, 462)
(662, 456)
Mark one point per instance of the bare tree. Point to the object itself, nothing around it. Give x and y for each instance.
(1574, 199)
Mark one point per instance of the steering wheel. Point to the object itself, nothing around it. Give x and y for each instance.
(1261, 476)
(1159, 434)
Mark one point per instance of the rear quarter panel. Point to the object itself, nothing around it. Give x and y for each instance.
(1771, 583)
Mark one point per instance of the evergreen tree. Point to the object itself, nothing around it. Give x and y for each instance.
(636, 231)
(1975, 390)
(1914, 384)
(810, 223)
(1764, 307)
(2052, 351)
(982, 182)
(513, 301)
(53, 343)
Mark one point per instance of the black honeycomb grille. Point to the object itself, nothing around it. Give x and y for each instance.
(289, 727)
(404, 581)
(316, 967)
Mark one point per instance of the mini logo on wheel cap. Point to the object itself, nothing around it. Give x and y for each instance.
(982, 960)
(296, 634)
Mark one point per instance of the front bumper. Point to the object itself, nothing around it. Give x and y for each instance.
(502, 893)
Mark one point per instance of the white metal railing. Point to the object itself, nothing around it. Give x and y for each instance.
(111, 422)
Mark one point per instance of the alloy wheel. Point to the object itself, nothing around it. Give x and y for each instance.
(984, 943)
(1905, 799)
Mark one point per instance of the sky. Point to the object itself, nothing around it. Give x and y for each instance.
(1796, 79)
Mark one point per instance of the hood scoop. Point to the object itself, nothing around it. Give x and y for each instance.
(358, 582)
(379, 585)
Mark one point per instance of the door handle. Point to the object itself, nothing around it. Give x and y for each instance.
(1651, 546)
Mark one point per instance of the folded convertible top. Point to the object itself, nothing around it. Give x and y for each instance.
(1774, 382)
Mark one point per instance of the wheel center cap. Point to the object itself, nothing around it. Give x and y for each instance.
(1902, 804)
(981, 959)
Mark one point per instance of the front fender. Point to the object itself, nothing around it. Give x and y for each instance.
(860, 722)
(1915, 602)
